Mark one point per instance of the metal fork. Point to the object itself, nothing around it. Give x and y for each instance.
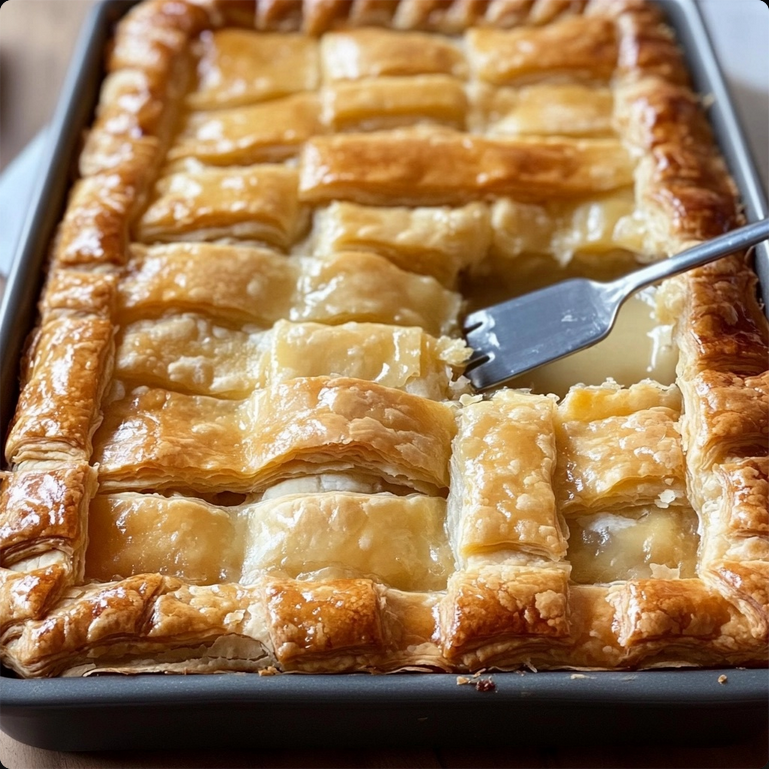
(513, 337)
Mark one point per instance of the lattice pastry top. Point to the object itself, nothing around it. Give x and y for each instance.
(243, 438)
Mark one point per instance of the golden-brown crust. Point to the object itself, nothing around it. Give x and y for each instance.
(693, 189)
(447, 16)
(505, 505)
(250, 203)
(604, 435)
(94, 230)
(28, 596)
(747, 584)
(399, 168)
(152, 33)
(58, 409)
(652, 610)
(723, 327)
(311, 620)
(44, 511)
(584, 47)
(69, 361)
(728, 417)
(293, 428)
(647, 46)
(503, 610)
(747, 488)
(503, 607)
(255, 285)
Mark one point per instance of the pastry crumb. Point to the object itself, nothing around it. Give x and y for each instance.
(481, 684)
(485, 685)
(579, 675)
(722, 679)
(270, 671)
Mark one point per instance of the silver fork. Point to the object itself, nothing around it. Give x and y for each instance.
(516, 336)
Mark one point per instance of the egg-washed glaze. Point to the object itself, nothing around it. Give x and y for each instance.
(243, 440)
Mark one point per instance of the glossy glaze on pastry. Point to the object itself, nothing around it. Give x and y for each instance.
(243, 439)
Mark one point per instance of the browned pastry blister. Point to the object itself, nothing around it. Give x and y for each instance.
(243, 440)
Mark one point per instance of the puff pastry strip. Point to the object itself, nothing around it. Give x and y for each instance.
(150, 622)
(267, 132)
(146, 616)
(192, 354)
(94, 230)
(376, 628)
(253, 285)
(131, 534)
(726, 416)
(148, 71)
(389, 102)
(28, 595)
(619, 448)
(68, 364)
(440, 241)
(374, 53)
(507, 504)
(237, 67)
(497, 612)
(744, 583)
(720, 325)
(249, 203)
(746, 484)
(735, 551)
(577, 48)
(598, 227)
(684, 190)
(154, 437)
(406, 167)
(399, 540)
(44, 512)
(554, 109)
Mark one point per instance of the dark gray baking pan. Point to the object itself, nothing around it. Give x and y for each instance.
(239, 710)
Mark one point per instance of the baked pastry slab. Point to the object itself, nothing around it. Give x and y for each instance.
(244, 440)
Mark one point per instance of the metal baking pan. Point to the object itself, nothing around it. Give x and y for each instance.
(240, 710)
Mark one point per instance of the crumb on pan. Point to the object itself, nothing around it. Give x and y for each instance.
(485, 685)
(722, 679)
(270, 671)
(481, 684)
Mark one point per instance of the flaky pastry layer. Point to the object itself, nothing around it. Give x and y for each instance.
(242, 440)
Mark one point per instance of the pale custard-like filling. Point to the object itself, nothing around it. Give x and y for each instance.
(638, 347)
(648, 542)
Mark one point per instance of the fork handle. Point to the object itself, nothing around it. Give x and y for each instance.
(736, 240)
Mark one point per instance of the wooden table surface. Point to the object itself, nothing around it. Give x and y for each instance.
(36, 41)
